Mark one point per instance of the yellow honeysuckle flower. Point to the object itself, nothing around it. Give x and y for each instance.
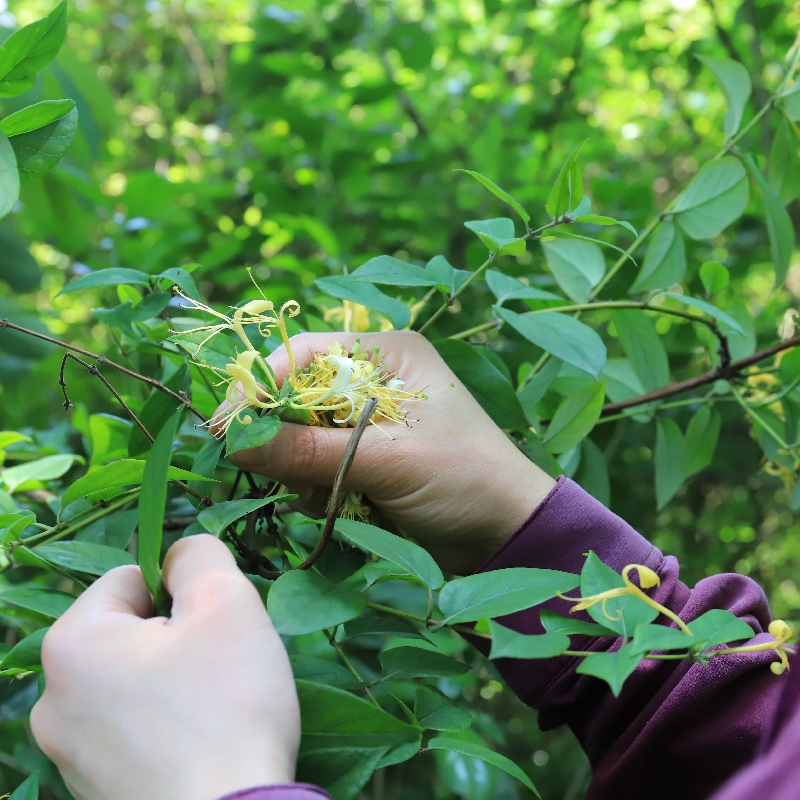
(353, 316)
(782, 632)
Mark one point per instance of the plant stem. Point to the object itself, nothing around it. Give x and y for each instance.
(481, 269)
(398, 613)
(338, 648)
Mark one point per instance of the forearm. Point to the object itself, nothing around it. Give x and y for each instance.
(707, 719)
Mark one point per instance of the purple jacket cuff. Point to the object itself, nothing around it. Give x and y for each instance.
(287, 791)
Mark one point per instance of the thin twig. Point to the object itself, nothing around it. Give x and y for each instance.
(101, 359)
(94, 370)
(349, 664)
(720, 373)
(337, 493)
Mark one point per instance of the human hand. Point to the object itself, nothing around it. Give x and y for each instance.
(452, 479)
(187, 708)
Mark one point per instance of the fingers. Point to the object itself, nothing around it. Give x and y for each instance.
(301, 454)
(198, 573)
(121, 591)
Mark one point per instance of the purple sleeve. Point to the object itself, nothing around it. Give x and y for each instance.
(677, 729)
(289, 791)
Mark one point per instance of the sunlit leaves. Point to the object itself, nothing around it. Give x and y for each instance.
(717, 195)
(575, 418)
(665, 259)
(498, 192)
(498, 235)
(344, 288)
(564, 337)
(114, 276)
(36, 116)
(30, 49)
(9, 176)
(41, 149)
(43, 469)
(392, 272)
(577, 266)
(734, 80)
(567, 191)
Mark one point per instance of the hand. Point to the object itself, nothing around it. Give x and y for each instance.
(187, 708)
(451, 479)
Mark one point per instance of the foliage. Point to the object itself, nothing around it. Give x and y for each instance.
(362, 158)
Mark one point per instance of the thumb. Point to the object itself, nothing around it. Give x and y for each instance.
(199, 573)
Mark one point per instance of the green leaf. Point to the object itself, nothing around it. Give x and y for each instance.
(714, 277)
(592, 475)
(44, 469)
(152, 502)
(484, 754)
(119, 473)
(643, 347)
(559, 233)
(500, 592)
(413, 662)
(614, 668)
(244, 437)
(217, 517)
(27, 790)
(595, 219)
(784, 167)
(498, 235)
(671, 461)
(625, 612)
(504, 287)
(381, 625)
(719, 627)
(344, 287)
(649, 636)
(9, 177)
(158, 410)
(498, 192)
(18, 268)
(40, 150)
(87, 557)
(707, 308)
(485, 383)
(410, 557)
(734, 80)
(567, 188)
(564, 337)
(779, 224)
(341, 771)
(717, 195)
(702, 435)
(575, 418)
(30, 49)
(48, 602)
(26, 653)
(392, 272)
(113, 276)
(218, 351)
(555, 623)
(205, 465)
(182, 278)
(320, 670)
(36, 116)
(302, 601)
(446, 277)
(577, 266)
(791, 101)
(334, 718)
(665, 260)
(434, 711)
(510, 644)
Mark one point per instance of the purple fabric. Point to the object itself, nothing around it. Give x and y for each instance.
(677, 729)
(727, 731)
(293, 791)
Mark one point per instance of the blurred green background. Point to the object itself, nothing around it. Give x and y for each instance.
(304, 137)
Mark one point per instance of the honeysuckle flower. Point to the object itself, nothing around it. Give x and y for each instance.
(353, 317)
(782, 633)
(648, 579)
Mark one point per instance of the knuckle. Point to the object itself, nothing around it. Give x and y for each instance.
(306, 450)
(43, 729)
